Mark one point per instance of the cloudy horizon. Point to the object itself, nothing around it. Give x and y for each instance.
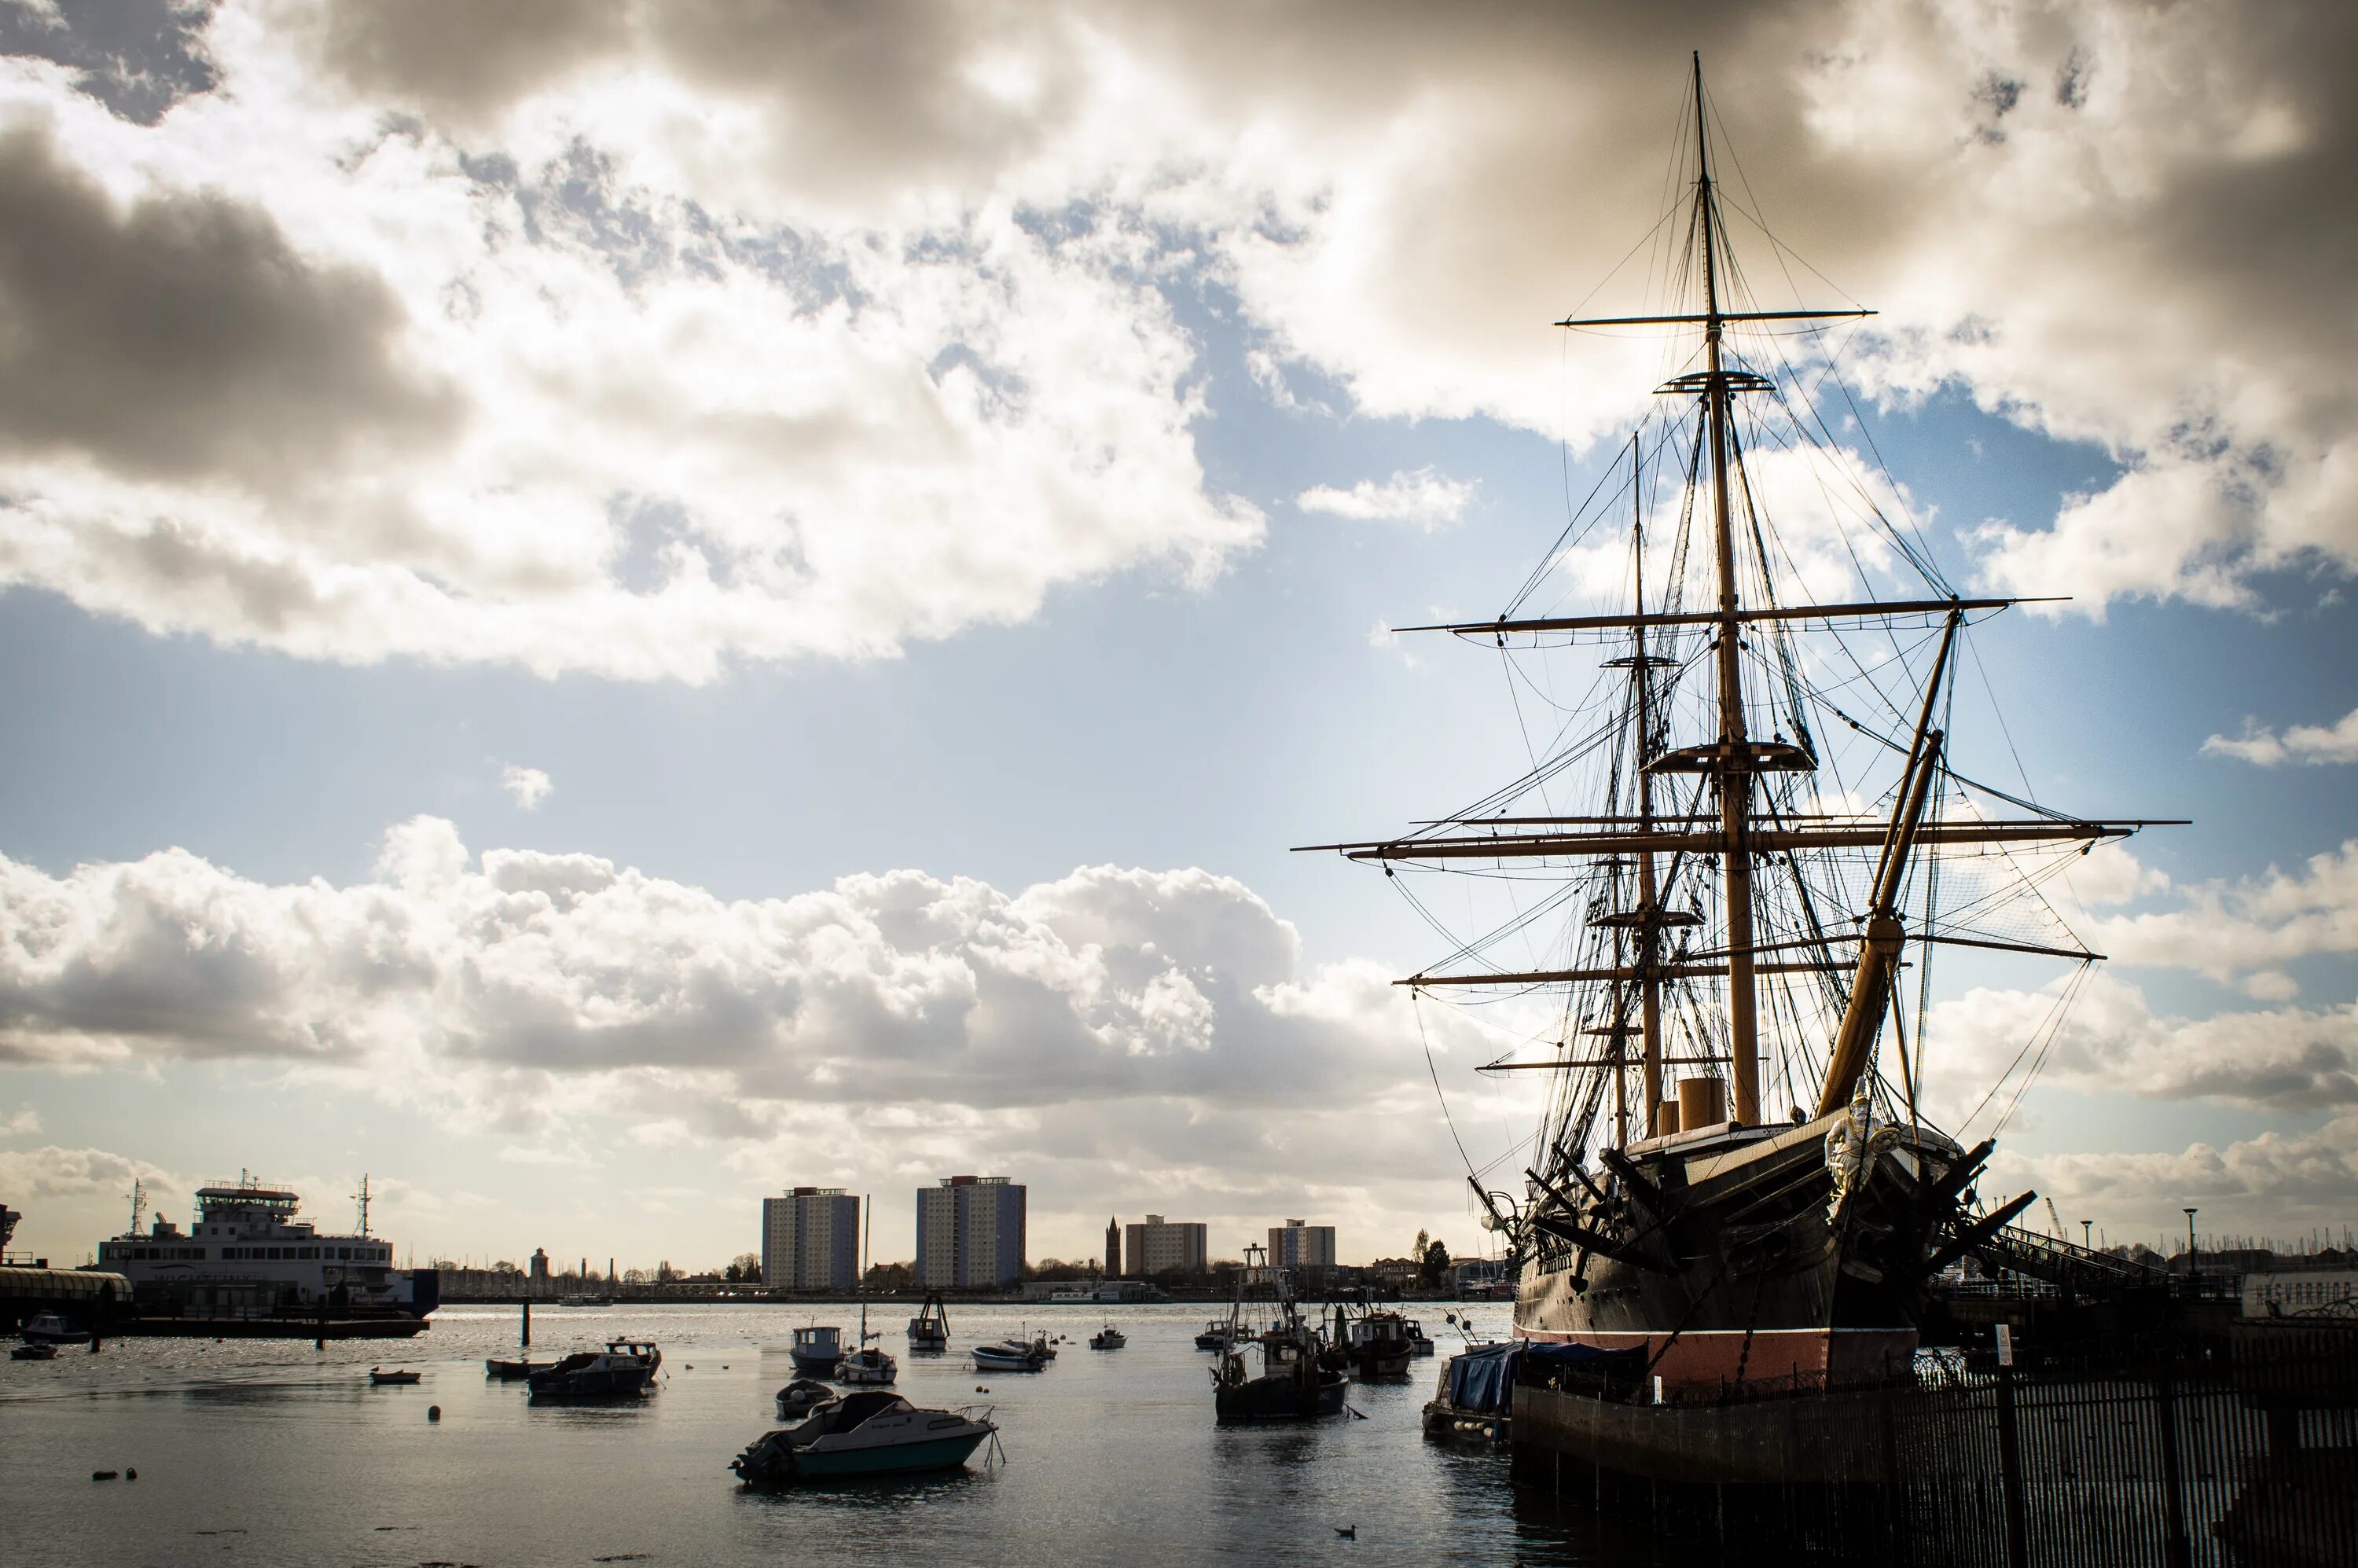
(623, 606)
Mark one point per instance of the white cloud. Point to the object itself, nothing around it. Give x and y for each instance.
(1424, 497)
(25, 1122)
(1114, 1032)
(2273, 1184)
(2303, 742)
(677, 337)
(2112, 1042)
(2255, 923)
(526, 786)
(52, 1172)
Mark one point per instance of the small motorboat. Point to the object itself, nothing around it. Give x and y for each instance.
(801, 1397)
(872, 1432)
(1039, 1344)
(1420, 1342)
(929, 1331)
(624, 1369)
(1215, 1335)
(48, 1328)
(33, 1353)
(510, 1371)
(380, 1378)
(817, 1350)
(1107, 1339)
(1009, 1359)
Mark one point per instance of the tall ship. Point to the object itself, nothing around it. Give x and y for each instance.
(246, 1265)
(1707, 915)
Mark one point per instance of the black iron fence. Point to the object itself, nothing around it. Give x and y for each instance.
(2167, 1453)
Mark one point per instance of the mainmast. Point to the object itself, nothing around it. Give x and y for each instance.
(1725, 830)
(1731, 767)
(1649, 946)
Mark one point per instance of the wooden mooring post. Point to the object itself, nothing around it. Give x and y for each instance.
(526, 1340)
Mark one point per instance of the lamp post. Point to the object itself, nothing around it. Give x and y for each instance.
(2190, 1246)
(2087, 1245)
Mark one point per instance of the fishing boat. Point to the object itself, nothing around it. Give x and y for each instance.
(625, 1368)
(1005, 1357)
(1215, 1335)
(1726, 856)
(380, 1378)
(48, 1328)
(1107, 1339)
(871, 1433)
(817, 1350)
(929, 1331)
(1293, 1383)
(801, 1397)
(1377, 1345)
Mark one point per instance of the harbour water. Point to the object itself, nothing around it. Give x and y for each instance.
(269, 1452)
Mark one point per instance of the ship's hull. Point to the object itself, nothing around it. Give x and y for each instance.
(1280, 1396)
(1793, 1255)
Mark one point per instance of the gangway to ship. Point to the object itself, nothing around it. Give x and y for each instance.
(2066, 1265)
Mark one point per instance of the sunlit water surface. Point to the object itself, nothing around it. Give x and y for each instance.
(268, 1451)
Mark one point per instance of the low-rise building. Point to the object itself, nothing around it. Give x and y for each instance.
(1163, 1246)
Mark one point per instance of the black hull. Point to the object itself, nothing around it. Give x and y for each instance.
(1388, 1366)
(1283, 1396)
(398, 1327)
(1762, 1260)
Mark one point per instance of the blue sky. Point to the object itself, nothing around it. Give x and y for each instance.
(1083, 637)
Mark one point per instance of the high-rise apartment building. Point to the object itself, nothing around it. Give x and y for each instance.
(1294, 1245)
(810, 1240)
(969, 1233)
(1162, 1245)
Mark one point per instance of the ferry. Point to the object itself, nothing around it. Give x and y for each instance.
(247, 1265)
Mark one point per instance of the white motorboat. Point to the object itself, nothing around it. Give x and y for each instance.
(872, 1432)
(1107, 1339)
(1009, 1359)
(48, 1328)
